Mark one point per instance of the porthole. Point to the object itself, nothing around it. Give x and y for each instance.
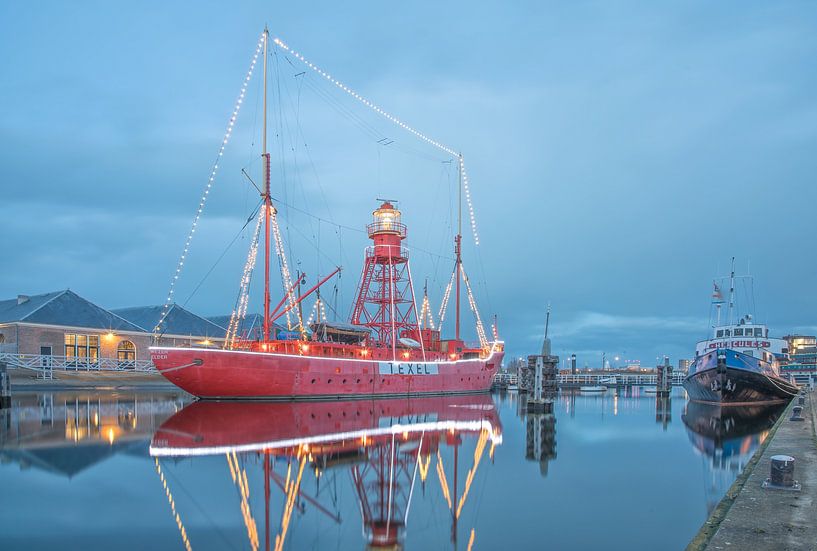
(329, 381)
(344, 381)
(313, 381)
(357, 381)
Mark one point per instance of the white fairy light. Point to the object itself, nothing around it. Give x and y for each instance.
(377, 109)
(483, 339)
(240, 313)
(203, 200)
(446, 296)
(286, 277)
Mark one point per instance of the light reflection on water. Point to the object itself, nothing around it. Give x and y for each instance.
(138, 470)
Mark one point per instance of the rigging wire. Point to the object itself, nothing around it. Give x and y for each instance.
(377, 109)
(223, 254)
(207, 187)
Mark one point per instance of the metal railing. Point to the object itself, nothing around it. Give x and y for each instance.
(45, 364)
(599, 379)
(617, 379)
(383, 226)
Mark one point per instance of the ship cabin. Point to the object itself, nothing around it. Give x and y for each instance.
(747, 337)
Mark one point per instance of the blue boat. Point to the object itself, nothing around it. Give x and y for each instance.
(739, 364)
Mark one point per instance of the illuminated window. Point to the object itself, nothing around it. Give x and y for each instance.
(82, 346)
(126, 351)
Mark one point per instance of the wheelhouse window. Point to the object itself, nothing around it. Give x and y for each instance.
(726, 332)
(719, 333)
(82, 346)
(758, 331)
(738, 332)
(126, 351)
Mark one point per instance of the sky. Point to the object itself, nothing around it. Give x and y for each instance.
(618, 154)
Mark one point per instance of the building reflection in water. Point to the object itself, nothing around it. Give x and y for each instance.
(726, 438)
(68, 432)
(390, 448)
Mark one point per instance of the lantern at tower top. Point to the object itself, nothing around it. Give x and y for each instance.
(386, 220)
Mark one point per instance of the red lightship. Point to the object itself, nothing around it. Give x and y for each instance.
(387, 349)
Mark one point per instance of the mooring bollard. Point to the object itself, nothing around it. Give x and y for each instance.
(801, 400)
(781, 474)
(796, 414)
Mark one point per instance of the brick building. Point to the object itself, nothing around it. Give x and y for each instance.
(67, 327)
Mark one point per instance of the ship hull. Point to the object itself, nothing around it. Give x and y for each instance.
(728, 377)
(238, 374)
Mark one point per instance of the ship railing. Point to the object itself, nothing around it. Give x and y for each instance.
(45, 364)
(383, 226)
(398, 252)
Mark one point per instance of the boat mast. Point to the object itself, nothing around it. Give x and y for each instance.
(458, 253)
(267, 198)
(731, 290)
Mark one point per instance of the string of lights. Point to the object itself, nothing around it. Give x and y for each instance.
(292, 488)
(426, 317)
(203, 200)
(240, 479)
(172, 503)
(240, 311)
(483, 339)
(443, 481)
(392, 118)
(286, 277)
(446, 296)
(480, 449)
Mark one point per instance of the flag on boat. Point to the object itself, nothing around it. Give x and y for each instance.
(717, 295)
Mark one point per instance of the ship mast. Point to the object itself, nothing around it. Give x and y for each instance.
(458, 253)
(267, 198)
(731, 290)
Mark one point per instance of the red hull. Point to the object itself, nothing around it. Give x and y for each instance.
(221, 374)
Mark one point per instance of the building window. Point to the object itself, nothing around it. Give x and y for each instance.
(126, 351)
(82, 346)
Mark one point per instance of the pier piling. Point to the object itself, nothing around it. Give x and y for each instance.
(5, 387)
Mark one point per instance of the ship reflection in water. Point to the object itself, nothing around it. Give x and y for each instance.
(727, 437)
(388, 449)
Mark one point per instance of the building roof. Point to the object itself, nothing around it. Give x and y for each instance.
(178, 321)
(62, 308)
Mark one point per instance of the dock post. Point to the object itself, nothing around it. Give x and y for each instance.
(5, 387)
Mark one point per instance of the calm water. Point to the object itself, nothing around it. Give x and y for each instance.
(136, 471)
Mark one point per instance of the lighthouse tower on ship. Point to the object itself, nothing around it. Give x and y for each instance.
(385, 300)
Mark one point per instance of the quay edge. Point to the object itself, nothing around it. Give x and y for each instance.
(750, 517)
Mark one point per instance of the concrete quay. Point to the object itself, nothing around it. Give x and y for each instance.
(26, 380)
(753, 518)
